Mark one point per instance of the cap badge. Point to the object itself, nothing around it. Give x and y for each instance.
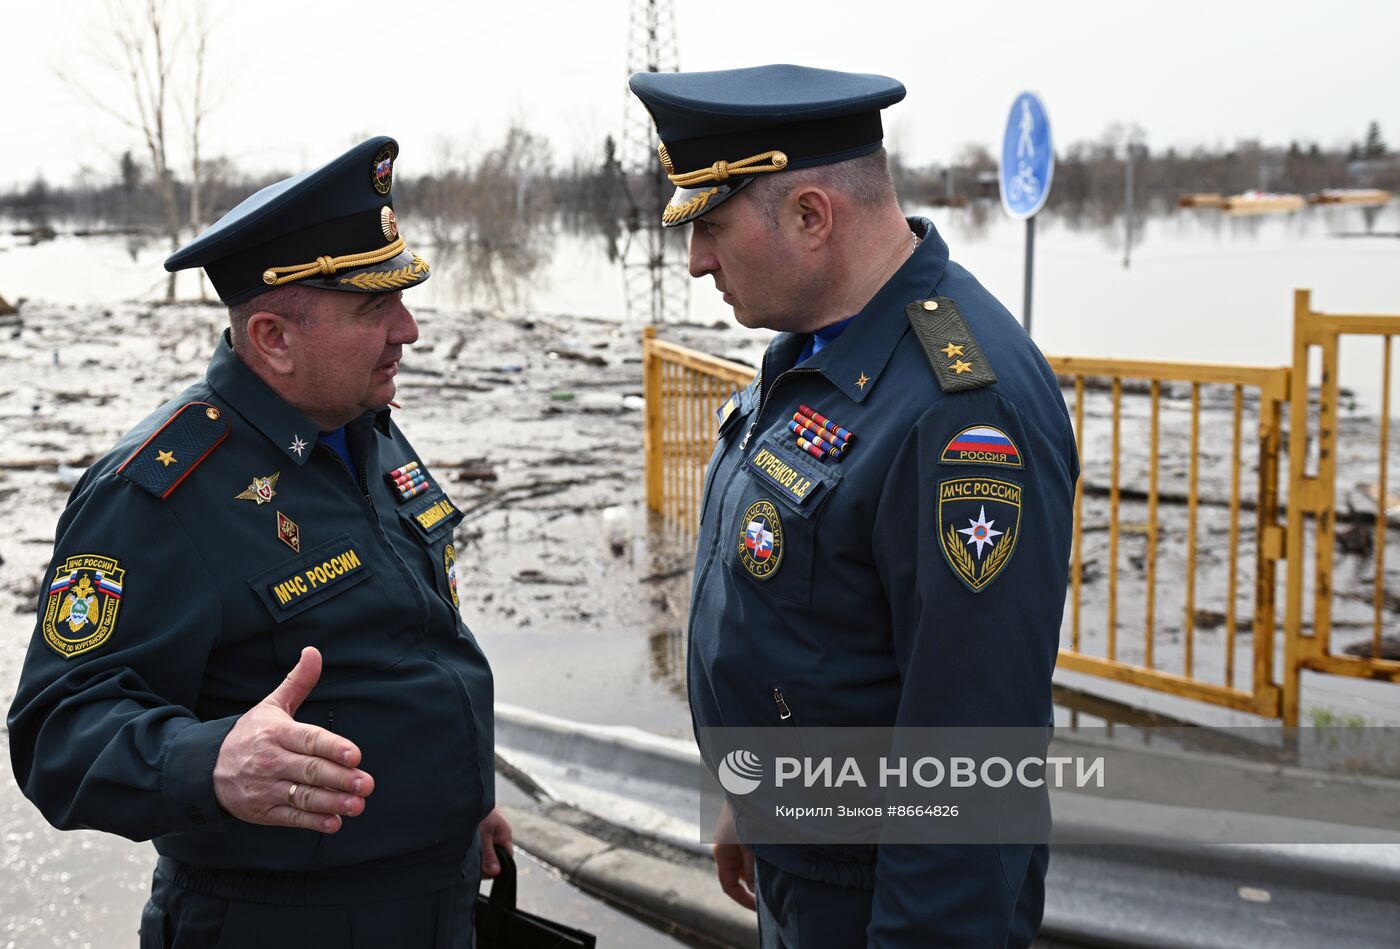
(665, 159)
(384, 170)
(388, 223)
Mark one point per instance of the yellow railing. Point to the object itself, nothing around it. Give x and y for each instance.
(1312, 506)
(1138, 659)
(1151, 558)
(682, 388)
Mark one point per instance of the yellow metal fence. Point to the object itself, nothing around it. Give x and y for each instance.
(682, 389)
(1313, 508)
(1182, 477)
(1132, 509)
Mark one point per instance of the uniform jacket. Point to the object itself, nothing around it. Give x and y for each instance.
(841, 593)
(266, 546)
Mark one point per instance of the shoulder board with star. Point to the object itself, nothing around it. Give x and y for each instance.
(177, 448)
(948, 343)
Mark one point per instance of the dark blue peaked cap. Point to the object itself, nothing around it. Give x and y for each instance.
(720, 129)
(332, 228)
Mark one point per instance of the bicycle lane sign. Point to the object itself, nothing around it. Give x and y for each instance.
(1027, 158)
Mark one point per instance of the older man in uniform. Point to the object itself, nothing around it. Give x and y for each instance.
(249, 647)
(886, 518)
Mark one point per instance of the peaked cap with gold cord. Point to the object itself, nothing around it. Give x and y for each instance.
(332, 228)
(720, 130)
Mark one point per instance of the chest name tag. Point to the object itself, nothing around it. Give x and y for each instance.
(296, 585)
(332, 570)
(435, 514)
(793, 483)
(432, 518)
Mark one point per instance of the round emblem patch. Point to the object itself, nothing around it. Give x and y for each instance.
(388, 223)
(449, 567)
(383, 172)
(761, 540)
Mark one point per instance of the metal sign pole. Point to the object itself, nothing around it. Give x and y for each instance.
(1026, 169)
(1030, 270)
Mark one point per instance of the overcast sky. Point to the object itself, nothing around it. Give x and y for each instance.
(299, 80)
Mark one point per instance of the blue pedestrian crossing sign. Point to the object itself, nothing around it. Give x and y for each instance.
(1027, 158)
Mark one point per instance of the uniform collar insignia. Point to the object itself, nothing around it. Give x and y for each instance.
(854, 361)
(258, 405)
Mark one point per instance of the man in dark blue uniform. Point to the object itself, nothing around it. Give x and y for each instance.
(249, 647)
(886, 519)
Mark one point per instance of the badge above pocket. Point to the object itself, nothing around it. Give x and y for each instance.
(433, 517)
(796, 481)
(321, 573)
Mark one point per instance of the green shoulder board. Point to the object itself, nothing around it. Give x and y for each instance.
(948, 342)
(176, 449)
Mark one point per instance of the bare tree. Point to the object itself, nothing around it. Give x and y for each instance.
(194, 120)
(151, 50)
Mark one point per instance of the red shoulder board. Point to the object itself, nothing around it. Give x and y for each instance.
(176, 449)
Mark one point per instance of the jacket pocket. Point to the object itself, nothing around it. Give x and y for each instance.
(324, 572)
(432, 522)
(773, 543)
(152, 932)
(330, 597)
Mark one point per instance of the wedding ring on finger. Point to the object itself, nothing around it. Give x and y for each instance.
(292, 795)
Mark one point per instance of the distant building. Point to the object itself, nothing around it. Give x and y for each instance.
(988, 184)
(1373, 171)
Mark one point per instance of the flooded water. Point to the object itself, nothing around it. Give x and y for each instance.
(524, 393)
(1200, 286)
(1196, 286)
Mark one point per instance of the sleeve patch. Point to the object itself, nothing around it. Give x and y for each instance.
(949, 344)
(176, 449)
(979, 522)
(84, 597)
(982, 445)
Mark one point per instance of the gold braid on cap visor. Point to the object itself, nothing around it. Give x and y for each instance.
(326, 266)
(722, 170)
(719, 171)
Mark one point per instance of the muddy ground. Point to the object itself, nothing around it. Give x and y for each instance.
(535, 428)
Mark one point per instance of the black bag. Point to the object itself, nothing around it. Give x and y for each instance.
(499, 925)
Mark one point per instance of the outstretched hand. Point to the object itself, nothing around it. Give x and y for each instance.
(277, 771)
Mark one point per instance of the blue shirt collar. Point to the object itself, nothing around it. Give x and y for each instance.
(854, 362)
(264, 409)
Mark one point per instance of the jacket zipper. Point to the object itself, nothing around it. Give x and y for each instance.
(784, 712)
(763, 395)
(754, 424)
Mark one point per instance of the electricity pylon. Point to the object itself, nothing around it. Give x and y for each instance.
(653, 260)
